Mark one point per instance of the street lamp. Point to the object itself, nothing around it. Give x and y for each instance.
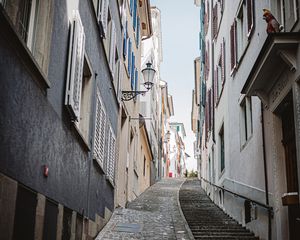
(167, 136)
(148, 74)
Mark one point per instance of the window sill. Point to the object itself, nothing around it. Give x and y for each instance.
(18, 45)
(219, 97)
(99, 165)
(82, 139)
(110, 181)
(243, 146)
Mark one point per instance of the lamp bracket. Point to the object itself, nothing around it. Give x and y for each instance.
(128, 95)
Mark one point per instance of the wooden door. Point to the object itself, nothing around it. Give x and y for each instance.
(289, 143)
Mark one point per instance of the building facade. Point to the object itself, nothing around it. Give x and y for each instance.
(252, 95)
(59, 103)
(150, 106)
(136, 27)
(177, 154)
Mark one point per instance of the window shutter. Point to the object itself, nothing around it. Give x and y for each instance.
(215, 20)
(233, 45)
(131, 7)
(75, 67)
(125, 41)
(129, 57)
(132, 70)
(138, 32)
(136, 80)
(223, 62)
(112, 51)
(203, 93)
(212, 112)
(134, 14)
(250, 16)
(111, 156)
(216, 86)
(209, 109)
(99, 138)
(104, 16)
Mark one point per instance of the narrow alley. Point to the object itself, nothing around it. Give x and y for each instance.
(157, 214)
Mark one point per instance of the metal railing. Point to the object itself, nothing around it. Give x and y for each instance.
(269, 208)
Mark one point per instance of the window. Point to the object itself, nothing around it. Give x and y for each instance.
(144, 169)
(220, 74)
(246, 126)
(32, 20)
(23, 16)
(85, 101)
(79, 84)
(222, 149)
(100, 131)
(241, 31)
(290, 13)
(75, 68)
(103, 17)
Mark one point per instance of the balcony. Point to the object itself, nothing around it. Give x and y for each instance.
(277, 57)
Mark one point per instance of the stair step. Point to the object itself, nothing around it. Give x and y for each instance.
(205, 219)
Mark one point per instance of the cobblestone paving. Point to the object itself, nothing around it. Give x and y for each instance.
(155, 214)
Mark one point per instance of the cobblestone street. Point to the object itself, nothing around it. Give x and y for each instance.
(155, 214)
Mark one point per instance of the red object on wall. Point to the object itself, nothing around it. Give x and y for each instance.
(170, 174)
(46, 171)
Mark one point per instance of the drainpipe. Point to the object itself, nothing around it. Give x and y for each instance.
(266, 173)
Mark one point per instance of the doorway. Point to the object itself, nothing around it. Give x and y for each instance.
(289, 144)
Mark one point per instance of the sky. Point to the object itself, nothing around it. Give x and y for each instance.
(180, 31)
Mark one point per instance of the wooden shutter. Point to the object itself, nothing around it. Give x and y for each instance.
(134, 16)
(136, 80)
(233, 45)
(112, 52)
(215, 20)
(212, 111)
(250, 17)
(203, 94)
(129, 57)
(223, 62)
(132, 70)
(138, 32)
(104, 17)
(216, 86)
(131, 6)
(75, 67)
(99, 137)
(125, 41)
(209, 109)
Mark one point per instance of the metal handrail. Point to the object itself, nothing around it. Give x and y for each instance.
(269, 208)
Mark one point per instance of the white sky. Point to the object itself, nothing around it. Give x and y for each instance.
(180, 31)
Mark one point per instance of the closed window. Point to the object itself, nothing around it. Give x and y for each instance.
(222, 149)
(246, 126)
(241, 31)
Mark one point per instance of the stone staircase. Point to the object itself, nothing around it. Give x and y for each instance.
(205, 219)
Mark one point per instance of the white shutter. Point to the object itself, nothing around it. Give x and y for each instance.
(112, 52)
(75, 67)
(103, 16)
(99, 138)
(111, 152)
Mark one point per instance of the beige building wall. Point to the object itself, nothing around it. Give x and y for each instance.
(129, 134)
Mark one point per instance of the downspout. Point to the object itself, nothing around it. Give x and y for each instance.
(266, 173)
